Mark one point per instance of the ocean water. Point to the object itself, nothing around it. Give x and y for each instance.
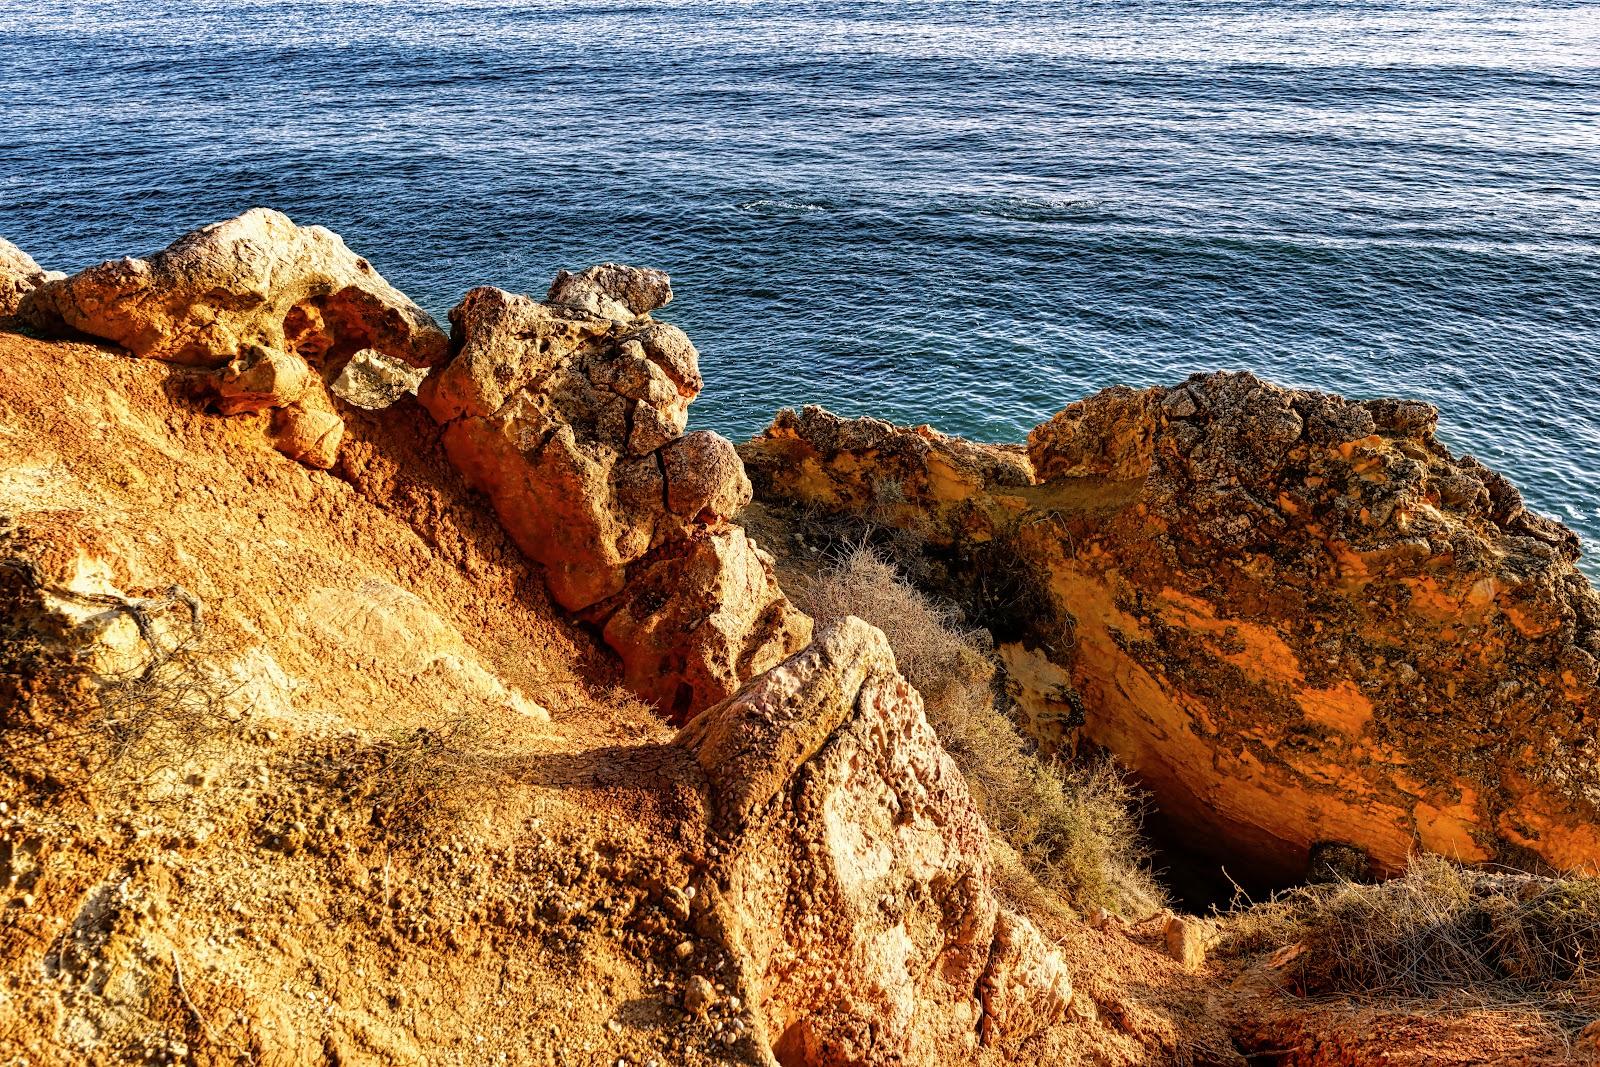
(963, 213)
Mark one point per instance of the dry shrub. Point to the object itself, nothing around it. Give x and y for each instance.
(418, 779)
(1438, 931)
(154, 721)
(131, 728)
(1074, 828)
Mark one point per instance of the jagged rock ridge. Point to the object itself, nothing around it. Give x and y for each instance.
(573, 423)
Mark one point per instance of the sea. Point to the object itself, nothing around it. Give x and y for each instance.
(960, 212)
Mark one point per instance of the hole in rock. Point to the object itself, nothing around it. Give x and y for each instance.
(1200, 871)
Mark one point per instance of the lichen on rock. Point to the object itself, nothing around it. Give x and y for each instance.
(1299, 618)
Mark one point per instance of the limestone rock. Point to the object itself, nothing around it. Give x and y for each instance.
(612, 290)
(1026, 987)
(373, 381)
(704, 477)
(308, 432)
(259, 379)
(19, 275)
(573, 424)
(698, 617)
(1298, 618)
(836, 800)
(257, 279)
(915, 478)
(278, 311)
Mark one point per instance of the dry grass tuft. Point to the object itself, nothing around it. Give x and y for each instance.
(130, 727)
(419, 778)
(152, 722)
(1073, 829)
(1436, 933)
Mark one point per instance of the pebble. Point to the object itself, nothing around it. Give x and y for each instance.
(698, 996)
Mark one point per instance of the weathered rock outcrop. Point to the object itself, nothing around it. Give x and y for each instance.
(572, 421)
(855, 887)
(1299, 618)
(19, 276)
(913, 478)
(277, 311)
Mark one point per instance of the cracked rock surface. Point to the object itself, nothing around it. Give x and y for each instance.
(855, 889)
(572, 421)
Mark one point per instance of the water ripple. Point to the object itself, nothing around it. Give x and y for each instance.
(966, 214)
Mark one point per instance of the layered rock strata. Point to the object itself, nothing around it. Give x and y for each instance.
(570, 415)
(855, 890)
(1300, 619)
(274, 312)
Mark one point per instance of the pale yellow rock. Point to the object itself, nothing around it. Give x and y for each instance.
(859, 901)
(256, 279)
(613, 290)
(19, 275)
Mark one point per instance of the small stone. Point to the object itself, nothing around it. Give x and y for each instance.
(1185, 941)
(374, 381)
(698, 996)
(676, 903)
(684, 949)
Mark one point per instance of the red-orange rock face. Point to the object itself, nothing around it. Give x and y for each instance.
(572, 421)
(1299, 618)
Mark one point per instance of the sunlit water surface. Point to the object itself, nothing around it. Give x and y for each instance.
(960, 213)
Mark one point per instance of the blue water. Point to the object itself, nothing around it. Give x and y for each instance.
(961, 213)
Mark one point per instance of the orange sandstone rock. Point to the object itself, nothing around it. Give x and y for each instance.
(278, 311)
(1300, 619)
(570, 415)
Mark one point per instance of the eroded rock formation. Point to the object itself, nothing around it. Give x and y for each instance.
(276, 311)
(1301, 619)
(19, 276)
(570, 415)
(855, 886)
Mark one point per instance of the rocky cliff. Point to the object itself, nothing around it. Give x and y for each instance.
(1300, 619)
(283, 674)
(369, 695)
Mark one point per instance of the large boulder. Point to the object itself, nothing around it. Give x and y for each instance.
(1300, 619)
(570, 414)
(854, 883)
(286, 319)
(19, 276)
(253, 280)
